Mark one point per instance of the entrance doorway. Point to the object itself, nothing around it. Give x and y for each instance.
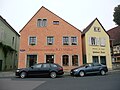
(0, 65)
(31, 60)
(49, 58)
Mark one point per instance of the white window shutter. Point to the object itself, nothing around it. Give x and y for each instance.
(89, 40)
(98, 41)
(103, 40)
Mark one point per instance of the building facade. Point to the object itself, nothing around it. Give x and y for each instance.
(114, 34)
(96, 45)
(47, 38)
(9, 46)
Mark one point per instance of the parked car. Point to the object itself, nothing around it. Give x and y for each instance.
(90, 68)
(49, 69)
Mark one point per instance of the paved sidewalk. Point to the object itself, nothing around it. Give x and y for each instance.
(7, 74)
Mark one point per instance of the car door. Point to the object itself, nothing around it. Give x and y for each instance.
(89, 68)
(35, 70)
(45, 70)
(96, 67)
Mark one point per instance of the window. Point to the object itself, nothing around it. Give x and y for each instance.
(75, 60)
(65, 40)
(46, 66)
(65, 60)
(53, 65)
(31, 60)
(56, 22)
(97, 29)
(49, 58)
(97, 64)
(103, 60)
(95, 59)
(37, 66)
(32, 40)
(13, 39)
(50, 40)
(73, 40)
(93, 41)
(102, 42)
(42, 22)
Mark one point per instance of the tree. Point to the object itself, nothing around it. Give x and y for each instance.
(116, 15)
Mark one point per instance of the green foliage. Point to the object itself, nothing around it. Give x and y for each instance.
(116, 15)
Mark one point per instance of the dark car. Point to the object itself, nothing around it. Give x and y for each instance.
(43, 69)
(90, 68)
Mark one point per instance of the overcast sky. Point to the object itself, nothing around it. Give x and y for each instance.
(79, 13)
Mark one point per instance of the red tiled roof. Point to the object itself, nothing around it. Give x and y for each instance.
(114, 34)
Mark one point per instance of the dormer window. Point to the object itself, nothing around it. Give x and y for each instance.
(97, 29)
(56, 22)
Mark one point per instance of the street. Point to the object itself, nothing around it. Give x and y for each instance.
(111, 81)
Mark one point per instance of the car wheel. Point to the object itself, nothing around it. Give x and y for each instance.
(23, 74)
(82, 73)
(102, 72)
(53, 75)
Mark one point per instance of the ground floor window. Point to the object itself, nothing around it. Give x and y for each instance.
(65, 60)
(95, 59)
(49, 58)
(31, 60)
(99, 59)
(75, 60)
(103, 60)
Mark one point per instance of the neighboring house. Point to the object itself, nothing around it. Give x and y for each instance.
(9, 46)
(96, 46)
(47, 38)
(114, 34)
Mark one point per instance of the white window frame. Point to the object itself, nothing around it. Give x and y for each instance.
(34, 43)
(56, 22)
(96, 41)
(68, 60)
(52, 40)
(103, 41)
(72, 60)
(42, 23)
(65, 43)
(74, 42)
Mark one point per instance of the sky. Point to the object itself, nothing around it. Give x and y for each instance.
(79, 13)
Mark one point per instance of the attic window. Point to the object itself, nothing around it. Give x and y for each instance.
(97, 29)
(56, 22)
(42, 22)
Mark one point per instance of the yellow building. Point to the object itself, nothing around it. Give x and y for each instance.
(96, 45)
